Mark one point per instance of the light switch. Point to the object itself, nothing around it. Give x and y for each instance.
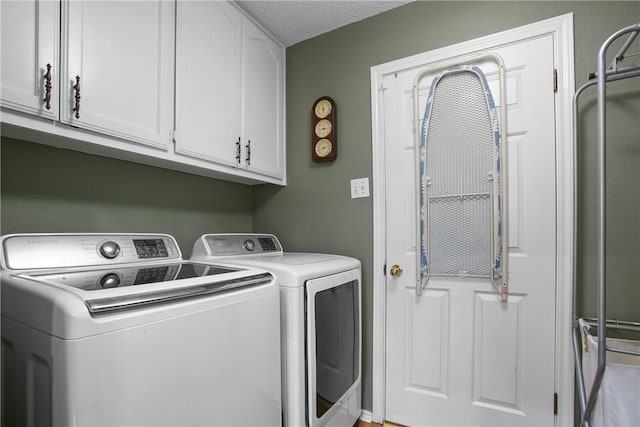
(359, 188)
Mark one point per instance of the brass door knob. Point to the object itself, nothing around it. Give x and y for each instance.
(396, 270)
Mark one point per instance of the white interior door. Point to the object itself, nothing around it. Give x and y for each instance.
(457, 355)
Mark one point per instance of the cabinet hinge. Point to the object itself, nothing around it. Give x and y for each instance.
(555, 403)
(174, 135)
(555, 80)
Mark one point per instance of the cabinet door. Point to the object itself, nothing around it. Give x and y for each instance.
(208, 43)
(29, 37)
(123, 54)
(263, 102)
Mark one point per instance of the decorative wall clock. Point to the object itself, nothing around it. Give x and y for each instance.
(324, 141)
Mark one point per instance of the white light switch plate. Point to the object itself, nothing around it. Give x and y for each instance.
(359, 188)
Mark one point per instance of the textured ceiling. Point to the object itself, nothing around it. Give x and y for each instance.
(292, 21)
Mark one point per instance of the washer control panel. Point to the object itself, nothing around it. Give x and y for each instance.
(239, 244)
(31, 251)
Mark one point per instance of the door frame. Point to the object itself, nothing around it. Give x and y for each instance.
(561, 27)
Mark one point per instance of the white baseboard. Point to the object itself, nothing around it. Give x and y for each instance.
(366, 416)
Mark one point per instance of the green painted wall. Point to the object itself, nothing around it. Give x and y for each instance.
(47, 189)
(315, 212)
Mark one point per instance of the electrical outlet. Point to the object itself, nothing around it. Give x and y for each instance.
(359, 188)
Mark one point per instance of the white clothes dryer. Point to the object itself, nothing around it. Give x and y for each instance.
(321, 324)
(118, 330)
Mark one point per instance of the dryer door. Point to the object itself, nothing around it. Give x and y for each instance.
(333, 348)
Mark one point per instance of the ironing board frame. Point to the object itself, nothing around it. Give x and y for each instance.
(498, 279)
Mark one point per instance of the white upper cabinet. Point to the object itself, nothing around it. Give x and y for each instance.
(30, 34)
(122, 55)
(263, 103)
(229, 90)
(208, 61)
(194, 86)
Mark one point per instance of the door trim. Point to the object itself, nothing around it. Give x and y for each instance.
(561, 28)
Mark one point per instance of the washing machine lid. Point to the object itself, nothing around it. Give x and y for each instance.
(119, 289)
(73, 281)
(47, 303)
(108, 278)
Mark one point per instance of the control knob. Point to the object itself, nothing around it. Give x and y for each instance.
(249, 245)
(110, 249)
(110, 280)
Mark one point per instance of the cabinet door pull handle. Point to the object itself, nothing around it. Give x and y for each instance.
(238, 151)
(76, 96)
(248, 147)
(47, 88)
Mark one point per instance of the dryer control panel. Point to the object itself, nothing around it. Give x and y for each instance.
(238, 244)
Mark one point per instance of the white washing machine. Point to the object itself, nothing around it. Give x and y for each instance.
(118, 330)
(321, 324)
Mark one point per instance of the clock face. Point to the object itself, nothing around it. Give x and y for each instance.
(323, 147)
(323, 108)
(323, 128)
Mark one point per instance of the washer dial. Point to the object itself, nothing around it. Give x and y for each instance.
(110, 280)
(249, 245)
(110, 249)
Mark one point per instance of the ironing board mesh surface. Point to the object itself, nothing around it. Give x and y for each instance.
(459, 167)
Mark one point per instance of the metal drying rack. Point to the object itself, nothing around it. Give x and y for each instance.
(615, 71)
